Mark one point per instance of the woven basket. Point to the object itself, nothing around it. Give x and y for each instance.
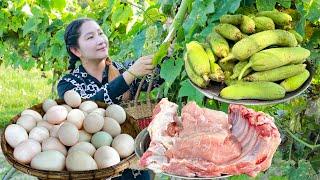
(141, 110)
(130, 126)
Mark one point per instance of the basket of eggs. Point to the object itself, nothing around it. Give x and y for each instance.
(71, 139)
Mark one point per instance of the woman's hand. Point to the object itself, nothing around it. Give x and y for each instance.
(142, 66)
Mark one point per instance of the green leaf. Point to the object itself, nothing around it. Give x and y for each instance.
(55, 51)
(30, 25)
(58, 4)
(42, 38)
(198, 16)
(121, 15)
(315, 162)
(187, 90)
(161, 53)
(304, 171)
(152, 14)
(285, 3)
(15, 23)
(313, 13)
(263, 5)
(314, 41)
(37, 11)
(224, 7)
(59, 37)
(44, 3)
(300, 26)
(171, 69)
(240, 177)
(204, 33)
(210, 6)
(138, 42)
(108, 9)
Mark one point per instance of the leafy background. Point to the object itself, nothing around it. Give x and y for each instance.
(31, 33)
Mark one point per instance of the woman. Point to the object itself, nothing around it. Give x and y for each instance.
(98, 78)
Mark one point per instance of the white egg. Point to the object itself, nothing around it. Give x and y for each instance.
(48, 103)
(116, 112)
(54, 130)
(72, 98)
(124, 144)
(80, 161)
(67, 107)
(84, 136)
(88, 106)
(83, 146)
(100, 111)
(26, 150)
(56, 114)
(15, 134)
(45, 124)
(27, 122)
(106, 156)
(111, 126)
(33, 113)
(68, 134)
(50, 160)
(76, 117)
(93, 123)
(39, 134)
(53, 143)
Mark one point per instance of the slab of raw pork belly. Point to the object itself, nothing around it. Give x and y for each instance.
(208, 143)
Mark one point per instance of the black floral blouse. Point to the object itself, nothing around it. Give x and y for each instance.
(90, 88)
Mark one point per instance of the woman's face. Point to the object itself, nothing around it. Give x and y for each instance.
(93, 43)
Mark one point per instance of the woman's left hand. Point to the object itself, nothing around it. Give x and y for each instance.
(142, 66)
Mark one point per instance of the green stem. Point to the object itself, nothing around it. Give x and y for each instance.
(139, 7)
(133, 4)
(301, 141)
(226, 59)
(290, 150)
(244, 70)
(317, 139)
(178, 19)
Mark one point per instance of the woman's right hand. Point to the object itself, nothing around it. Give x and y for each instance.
(142, 66)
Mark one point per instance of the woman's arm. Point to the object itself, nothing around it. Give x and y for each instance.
(109, 93)
(157, 81)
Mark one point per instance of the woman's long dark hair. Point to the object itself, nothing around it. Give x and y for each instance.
(71, 36)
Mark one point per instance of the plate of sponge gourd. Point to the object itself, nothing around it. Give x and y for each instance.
(251, 60)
